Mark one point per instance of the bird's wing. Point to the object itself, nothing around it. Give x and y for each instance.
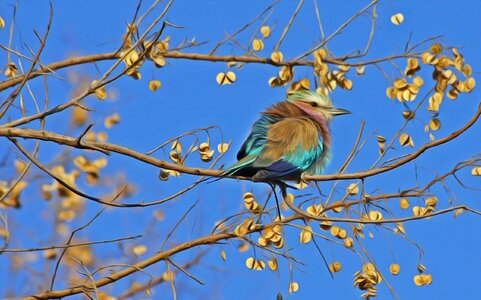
(291, 146)
(257, 137)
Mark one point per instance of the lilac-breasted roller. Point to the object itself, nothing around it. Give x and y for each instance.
(289, 139)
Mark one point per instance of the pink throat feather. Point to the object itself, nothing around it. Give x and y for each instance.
(319, 119)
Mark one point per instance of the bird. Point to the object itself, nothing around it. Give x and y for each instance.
(291, 139)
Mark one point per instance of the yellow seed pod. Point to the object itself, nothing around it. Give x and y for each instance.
(418, 80)
(335, 267)
(112, 120)
(272, 264)
(222, 148)
(306, 235)
(435, 124)
(391, 92)
(154, 85)
(293, 287)
(335, 230)
(435, 101)
(243, 247)
(325, 225)
(397, 19)
(314, 210)
(353, 189)
(360, 70)
(476, 171)
(265, 31)
(2, 23)
(101, 92)
(436, 49)
(159, 61)
(467, 70)
(380, 139)
(470, 83)
(349, 242)
(342, 234)
(225, 78)
(257, 45)
(406, 140)
(346, 84)
(139, 249)
(423, 279)
(250, 263)
(458, 211)
(277, 56)
(394, 269)
(375, 215)
(404, 203)
(431, 201)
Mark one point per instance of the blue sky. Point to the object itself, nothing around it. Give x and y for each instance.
(190, 98)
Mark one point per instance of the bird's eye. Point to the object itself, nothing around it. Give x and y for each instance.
(313, 104)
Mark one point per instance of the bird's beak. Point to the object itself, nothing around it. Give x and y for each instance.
(338, 111)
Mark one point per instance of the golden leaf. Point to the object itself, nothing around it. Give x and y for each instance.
(436, 49)
(435, 101)
(467, 70)
(293, 287)
(306, 235)
(222, 148)
(100, 92)
(50, 254)
(435, 124)
(265, 31)
(257, 45)
(139, 249)
(405, 140)
(243, 247)
(394, 269)
(397, 19)
(375, 215)
(404, 203)
(431, 201)
(164, 174)
(79, 116)
(226, 78)
(360, 70)
(380, 139)
(335, 230)
(112, 120)
(423, 279)
(458, 211)
(277, 56)
(349, 242)
(272, 263)
(325, 225)
(335, 267)
(154, 85)
(476, 171)
(353, 189)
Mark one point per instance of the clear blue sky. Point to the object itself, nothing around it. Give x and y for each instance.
(190, 98)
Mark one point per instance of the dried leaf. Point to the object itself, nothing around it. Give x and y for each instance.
(394, 269)
(257, 45)
(154, 85)
(406, 140)
(397, 19)
(335, 267)
(139, 249)
(265, 31)
(306, 235)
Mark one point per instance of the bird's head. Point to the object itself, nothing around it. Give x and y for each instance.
(315, 105)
